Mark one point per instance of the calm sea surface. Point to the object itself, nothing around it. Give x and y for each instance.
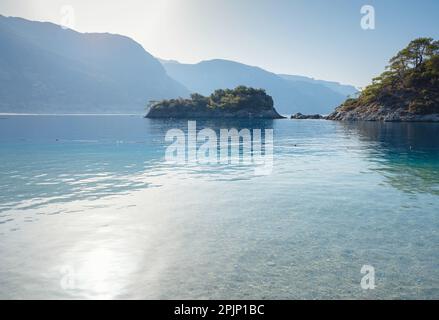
(90, 209)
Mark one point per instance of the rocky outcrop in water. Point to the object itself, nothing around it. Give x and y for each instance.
(299, 116)
(381, 113)
(407, 91)
(241, 102)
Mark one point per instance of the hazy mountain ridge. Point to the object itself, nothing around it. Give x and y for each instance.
(344, 89)
(290, 93)
(47, 69)
(44, 68)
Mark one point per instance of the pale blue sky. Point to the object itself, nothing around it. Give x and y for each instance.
(318, 38)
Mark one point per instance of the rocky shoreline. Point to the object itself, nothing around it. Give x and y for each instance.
(371, 113)
(407, 91)
(212, 114)
(381, 113)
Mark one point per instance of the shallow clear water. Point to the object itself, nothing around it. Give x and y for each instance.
(90, 209)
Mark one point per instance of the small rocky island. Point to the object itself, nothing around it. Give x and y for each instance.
(299, 116)
(241, 102)
(407, 91)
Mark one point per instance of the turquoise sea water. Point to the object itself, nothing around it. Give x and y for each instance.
(90, 209)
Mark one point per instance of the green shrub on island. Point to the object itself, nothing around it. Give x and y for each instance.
(242, 101)
(411, 81)
(239, 98)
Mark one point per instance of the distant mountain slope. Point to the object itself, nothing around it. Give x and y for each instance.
(290, 96)
(47, 69)
(343, 89)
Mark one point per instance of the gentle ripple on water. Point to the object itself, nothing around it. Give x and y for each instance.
(91, 199)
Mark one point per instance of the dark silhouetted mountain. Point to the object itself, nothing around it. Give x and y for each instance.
(47, 69)
(290, 95)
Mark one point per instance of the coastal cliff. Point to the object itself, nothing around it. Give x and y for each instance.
(407, 91)
(241, 102)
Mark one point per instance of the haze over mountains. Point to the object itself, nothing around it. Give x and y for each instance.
(290, 93)
(343, 89)
(47, 69)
